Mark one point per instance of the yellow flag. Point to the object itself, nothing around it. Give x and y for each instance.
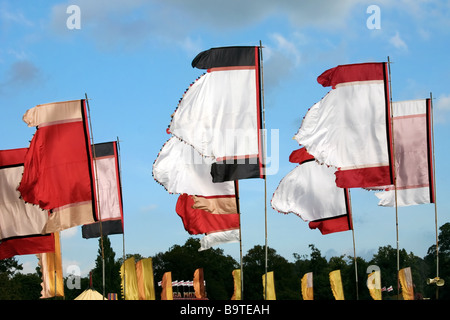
(374, 285)
(166, 283)
(129, 280)
(199, 284)
(336, 285)
(407, 283)
(51, 268)
(237, 284)
(270, 286)
(145, 280)
(307, 286)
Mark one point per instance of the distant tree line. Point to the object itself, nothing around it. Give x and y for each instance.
(183, 260)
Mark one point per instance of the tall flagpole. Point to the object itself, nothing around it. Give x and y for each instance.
(434, 194)
(394, 177)
(264, 165)
(236, 191)
(354, 246)
(97, 192)
(123, 222)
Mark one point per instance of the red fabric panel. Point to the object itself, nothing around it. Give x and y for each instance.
(300, 156)
(12, 156)
(27, 245)
(362, 178)
(331, 225)
(56, 169)
(197, 221)
(352, 72)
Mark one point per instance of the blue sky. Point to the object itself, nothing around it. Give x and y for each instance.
(133, 59)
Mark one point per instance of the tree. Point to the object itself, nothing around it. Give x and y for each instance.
(112, 269)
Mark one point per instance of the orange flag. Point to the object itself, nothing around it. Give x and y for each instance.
(199, 284)
(167, 293)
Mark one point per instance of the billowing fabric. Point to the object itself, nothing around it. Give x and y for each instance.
(166, 284)
(270, 286)
(181, 169)
(216, 205)
(51, 268)
(310, 192)
(374, 285)
(413, 155)
(219, 237)
(307, 286)
(109, 195)
(197, 221)
(220, 114)
(349, 128)
(145, 279)
(199, 284)
(406, 282)
(237, 284)
(21, 224)
(58, 165)
(90, 294)
(336, 284)
(129, 283)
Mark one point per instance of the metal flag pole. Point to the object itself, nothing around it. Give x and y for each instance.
(123, 222)
(354, 245)
(264, 164)
(97, 203)
(434, 193)
(236, 190)
(394, 176)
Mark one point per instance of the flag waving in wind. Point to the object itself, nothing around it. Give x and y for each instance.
(350, 127)
(220, 114)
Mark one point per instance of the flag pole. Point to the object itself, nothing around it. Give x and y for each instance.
(394, 177)
(434, 193)
(97, 192)
(123, 222)
(264, 164)
(354, 246)
(236, 190)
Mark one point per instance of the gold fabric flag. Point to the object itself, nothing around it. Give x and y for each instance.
(270, 286)
(145, 280)
(407, 283)
(237, 284)
(129, 280)
(167, 292)
(336, 284)
(199, 284)
(374, 285)
(307, 286)
(51, 268)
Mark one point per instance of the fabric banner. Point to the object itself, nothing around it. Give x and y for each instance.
(129, 283)
(109, 195)
(179, 168)
(145, 280)
(220, 114)
(21, 223)
(307, 286)
(199, 284)
(213, 239)
(58, 172)
(406, 282)
(51, 269)
(237, 284)
(413, 155)
(309, 191)
(350, 127)
(336, 284)
(270, 286)
(374, 285)
(166, 283)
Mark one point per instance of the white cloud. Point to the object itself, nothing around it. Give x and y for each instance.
(443, 102)
(69, 233)
(148, 208)
(398, 42)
